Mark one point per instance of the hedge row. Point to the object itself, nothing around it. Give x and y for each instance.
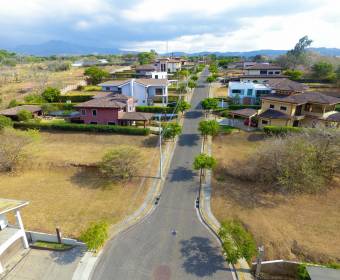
(155, 109)
(60, 106)
(241, 106)
(75, 98)
(84, 127)
(280, 130)
(171, 98)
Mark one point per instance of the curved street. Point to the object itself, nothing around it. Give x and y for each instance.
(150, 250)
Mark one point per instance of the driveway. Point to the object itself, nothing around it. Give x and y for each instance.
(46, 265)
(150, 250)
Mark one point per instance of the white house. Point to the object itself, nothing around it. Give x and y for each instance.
(143, 90)
(170, 65)
(12, 237)
(247, 92)
(262, 69)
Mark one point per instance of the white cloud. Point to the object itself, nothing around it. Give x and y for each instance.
(322, 24)
(156, 10)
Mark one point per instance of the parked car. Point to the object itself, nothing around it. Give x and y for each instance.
(253, 122)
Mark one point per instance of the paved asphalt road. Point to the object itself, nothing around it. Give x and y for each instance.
(149, 251)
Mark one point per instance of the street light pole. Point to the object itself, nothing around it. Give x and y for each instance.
(160, 149)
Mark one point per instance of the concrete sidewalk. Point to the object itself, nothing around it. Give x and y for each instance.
(46, 265)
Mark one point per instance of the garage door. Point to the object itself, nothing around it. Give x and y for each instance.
(11, 251)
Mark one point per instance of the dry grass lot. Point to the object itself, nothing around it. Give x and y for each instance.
(219, 90)
(71, 197)
(304, 227)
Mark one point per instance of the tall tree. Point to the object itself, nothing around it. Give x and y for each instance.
(297, 55)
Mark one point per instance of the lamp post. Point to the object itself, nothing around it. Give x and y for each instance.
(259, 262)
(160, 149)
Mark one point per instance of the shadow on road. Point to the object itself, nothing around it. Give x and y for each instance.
(189, 140)
(68, 257)
(181, 174)
(200, 257)
(193, 115)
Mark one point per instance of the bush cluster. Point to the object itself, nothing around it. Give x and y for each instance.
(280, 130)
(5, 122)
(95, 235)
(75, 98)
(85, 127)
(237, 242)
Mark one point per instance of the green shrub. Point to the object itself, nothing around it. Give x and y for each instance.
(12, 103)
(95, 235)
(59, 106)
(5, 122)
(51, 94)
(171, 98)
(237, 241)
(155, 109)
(92, 88)
(24, 115)
(281, 130)
(34, 98)
(171, 130)
(210, 104)
(85, 127)
(302, 272)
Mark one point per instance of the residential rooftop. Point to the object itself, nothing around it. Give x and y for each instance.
(15, 110)
(144, 82)
(303, 98)
(7, 205)
(286, 85)
(263, 66)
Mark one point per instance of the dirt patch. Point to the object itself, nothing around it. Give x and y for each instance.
(303, 227)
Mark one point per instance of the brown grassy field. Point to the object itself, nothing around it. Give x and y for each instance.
(304, 227)
(21, 80)
(219, 90)
(64, 195)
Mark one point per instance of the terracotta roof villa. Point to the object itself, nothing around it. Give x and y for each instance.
(285, 85)
(112, 109)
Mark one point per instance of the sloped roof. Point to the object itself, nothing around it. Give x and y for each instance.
(334, 117)
(286, 85)
(262, 76)
(146, 67)
(263, 66)
(7, 205)
(303, 98)
(247, 112)
(15, 110)
(273, 114)
(135, 116)
(114, 83)
(104, 102)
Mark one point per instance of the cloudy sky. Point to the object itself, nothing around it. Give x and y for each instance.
(187, 25)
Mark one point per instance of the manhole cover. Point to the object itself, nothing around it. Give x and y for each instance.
(162, 272)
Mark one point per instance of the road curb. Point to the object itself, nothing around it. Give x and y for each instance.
(241, 269)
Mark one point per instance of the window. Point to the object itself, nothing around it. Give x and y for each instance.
(83, 112)
(93, 122)
(111, 123)
(237, 91)
(270, 73)
(94, 112)
(271, 106)
(107, 88)
(156, 76)
(283, 108)
(277, 72)
(261, 92)
(263, 72)
(250, 92)
(159, 91)
(264, 122)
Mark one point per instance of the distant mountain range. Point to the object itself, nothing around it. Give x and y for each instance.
(65, 48)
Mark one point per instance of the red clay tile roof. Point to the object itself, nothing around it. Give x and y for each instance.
(15, 110)
(146, 67)
(303, 98)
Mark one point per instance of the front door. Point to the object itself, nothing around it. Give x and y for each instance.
(296, 123)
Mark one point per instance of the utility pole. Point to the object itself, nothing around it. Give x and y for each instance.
(259, 262)
(160, 149)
